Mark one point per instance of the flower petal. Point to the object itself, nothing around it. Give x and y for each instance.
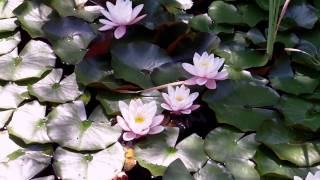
(137, 19)
(194, 107)
(201, 81)
(189, 68)
(105, 27)
(136, 10)
(156, 130)
(191, 81)
(122, 123)
(120, 32)
(166, 106)
(223, 75)
(187, 111)
(128, 136)
(211, 84)
(157, 120)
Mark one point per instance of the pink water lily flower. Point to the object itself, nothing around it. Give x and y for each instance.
(179, 100)
(205, 70)
(119, 16)
(139, 119)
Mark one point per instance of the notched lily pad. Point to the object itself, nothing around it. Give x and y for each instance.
(83, 133)
(51, 88)
(8, 42)
(12, 95)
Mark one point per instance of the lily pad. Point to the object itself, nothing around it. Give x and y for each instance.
(134, 62)
(29, 123)
(33, 15)
(83, 133)
(104, 164)
(158, 151)
(76, 8)
(51, 88)
(177, 171)
(213, 171)
(4, 117)
(9, 24)
(70, 38)
(7, 7)
(17, 162)
(8, 43)
(242, 103)
(35, 58)
(12, 95)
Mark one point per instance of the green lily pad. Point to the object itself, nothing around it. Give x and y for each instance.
(300, 82)
(51, 88)
(299, 112)
(134, 62)
(17, 162)
(177, 171)
(34, 59)
(242, 103)
(83, 133)
(33, 15)
(242, 169)
(213, 171)
(269, 164)
(223, 12)
(95, 72)
(310, 55)
(288, 145)
(168, 73)
(103, 164)
(76, 8)
(202, 23)
(158, 151)
(4, 117)
(70, 38)
(12, 95)
(221, 144)
(8, 43)
(29, 123)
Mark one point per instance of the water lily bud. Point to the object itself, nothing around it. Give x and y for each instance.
(119, 16)
(205, 70)
(139, 119)
(179, 100)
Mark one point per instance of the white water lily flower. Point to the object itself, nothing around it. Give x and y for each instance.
(185, 4)
(205, 70)
(139, 119)
(179, 100)
(310, 176)
(119, 16)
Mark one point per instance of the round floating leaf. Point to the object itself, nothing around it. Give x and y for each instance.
(213, 171)
(298, 112)
(51, 88)
(33, 15)
(159, 151)
(4, 117)
(168, 73)
(29, 123)
(134, 62)
(201, 23)
(242, 103)
(8, 43)
(301, 15)
(288, 145)
(104, 164)
(35, 58)
(300, 82)
(177, 171)
(242, 169)
(269, 164)
(76, 8)
(222, 12)
(8, 24)
(221, 144)
(83, 133)
(70, 38)
(12, 95)
(17, 162)
(7, 7)
(96, 71)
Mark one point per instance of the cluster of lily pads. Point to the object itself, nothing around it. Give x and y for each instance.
(86, 83)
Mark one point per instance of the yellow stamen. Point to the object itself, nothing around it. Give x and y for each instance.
(139, 119)
(179, 98)
(205, 64)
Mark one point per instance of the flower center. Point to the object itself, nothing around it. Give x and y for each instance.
(139, 119)
(179, 98)
(205, 64)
